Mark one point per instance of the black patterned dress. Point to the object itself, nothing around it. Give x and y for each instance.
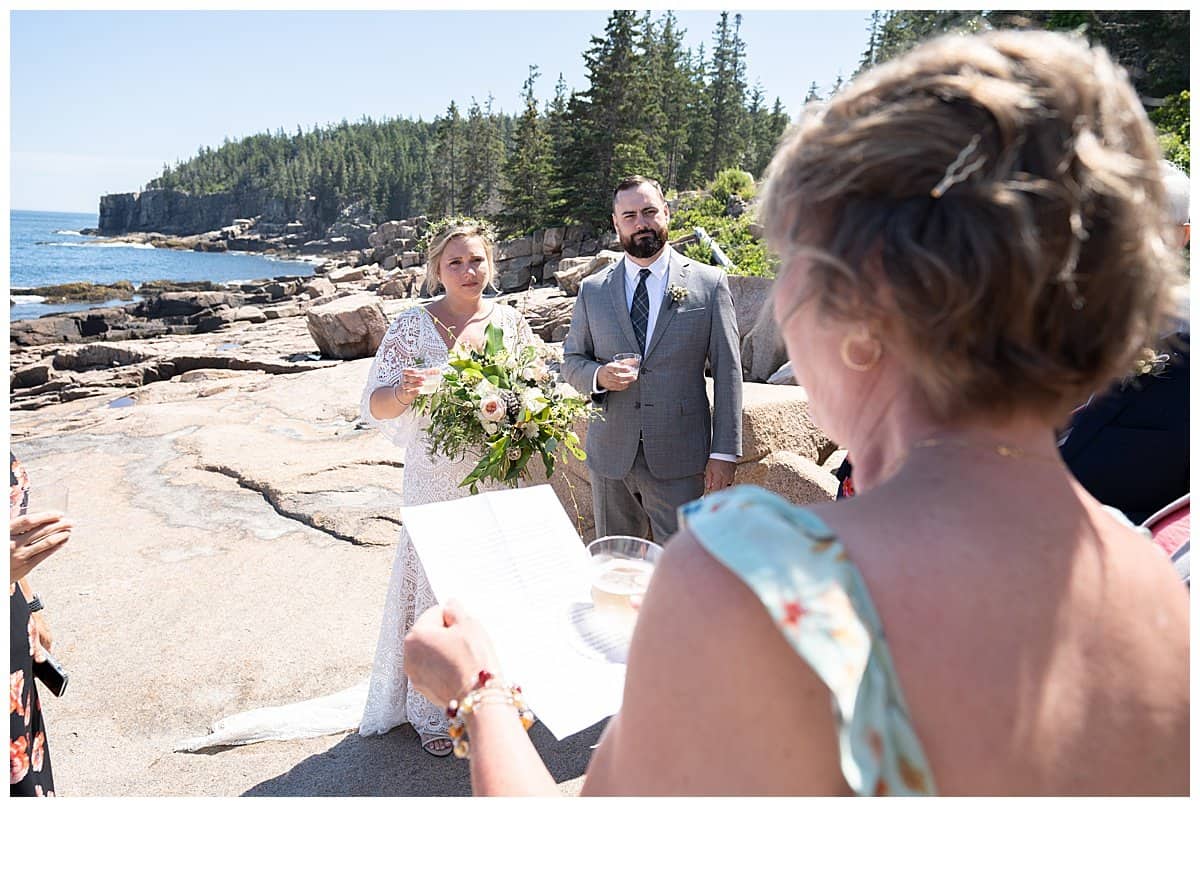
(28, 753)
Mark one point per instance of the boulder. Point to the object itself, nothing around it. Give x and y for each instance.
(172, 303)
(574, 270)
(97, 355)
(32, 375)
(249, 313)
(763, 349)
(751, 298)
(350, 327)
(515, 279)
(279, 290)
(522, 247)
(346, 274)
(385, 233)
(44, 331)
(552, 240)
(214, 319)
(96, 322)
(785, 375)
(777, 418)
(283, 310)
(410, 258)
(797, 478)
(390, 262)
(395, 287)
(548, 312)
(318, 286)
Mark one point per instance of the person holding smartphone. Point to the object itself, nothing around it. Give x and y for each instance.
(32, 538)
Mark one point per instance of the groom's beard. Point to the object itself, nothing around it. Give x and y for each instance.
(644, 243)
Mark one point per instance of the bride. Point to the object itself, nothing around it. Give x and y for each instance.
(416, 344)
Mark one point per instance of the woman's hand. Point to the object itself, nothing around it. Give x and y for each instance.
(33, 538)
(444, 652)
(409, 387)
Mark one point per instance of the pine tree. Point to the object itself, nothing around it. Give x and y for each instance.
(483, 160)
(668, 63)
(558, 129)
(873, 36)
(727, 96)
(693, 168)
(448, 163)
(813, 94)
(607, 137)
(529, 173)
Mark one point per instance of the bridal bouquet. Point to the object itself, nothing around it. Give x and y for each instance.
(504, 407)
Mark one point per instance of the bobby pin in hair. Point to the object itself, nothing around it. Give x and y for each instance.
(957, 170)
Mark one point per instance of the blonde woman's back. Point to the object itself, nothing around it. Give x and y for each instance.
(1041, 644)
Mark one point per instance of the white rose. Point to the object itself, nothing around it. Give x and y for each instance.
(529, 374)
(489, 428)
(533, 400)
(492, 408)
(485, 389)
(530, 430)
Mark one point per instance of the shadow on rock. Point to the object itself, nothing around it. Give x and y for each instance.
(395, 765)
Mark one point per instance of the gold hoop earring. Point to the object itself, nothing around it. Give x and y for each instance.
(861, 366)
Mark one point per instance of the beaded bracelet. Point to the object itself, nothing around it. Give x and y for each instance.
(487, 690)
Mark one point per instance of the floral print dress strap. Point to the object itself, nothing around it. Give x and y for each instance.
(803, 576)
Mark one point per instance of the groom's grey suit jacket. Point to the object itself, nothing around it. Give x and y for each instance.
(667, 407)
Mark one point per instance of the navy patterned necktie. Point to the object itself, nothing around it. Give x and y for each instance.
(640, 313)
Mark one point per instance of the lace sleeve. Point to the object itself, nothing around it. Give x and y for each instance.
(401, 347)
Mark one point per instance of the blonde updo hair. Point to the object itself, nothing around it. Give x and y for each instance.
(1041, 269)
(465, 230)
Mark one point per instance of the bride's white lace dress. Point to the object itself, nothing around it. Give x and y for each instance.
(413, 340)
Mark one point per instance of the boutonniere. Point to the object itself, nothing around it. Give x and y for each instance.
(678, 293)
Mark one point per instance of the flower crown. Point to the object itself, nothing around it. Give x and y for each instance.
(439, 226)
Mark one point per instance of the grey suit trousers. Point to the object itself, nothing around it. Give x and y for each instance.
(641, 504)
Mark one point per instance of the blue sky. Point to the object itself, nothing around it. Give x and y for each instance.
(100, 100)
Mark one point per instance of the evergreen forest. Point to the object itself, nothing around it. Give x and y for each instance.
(653, 106)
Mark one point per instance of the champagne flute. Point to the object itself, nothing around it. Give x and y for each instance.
(620, 573)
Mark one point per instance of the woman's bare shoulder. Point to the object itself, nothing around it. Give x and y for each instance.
(706, 666)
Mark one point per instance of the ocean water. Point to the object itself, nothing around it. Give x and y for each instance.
(45, 248)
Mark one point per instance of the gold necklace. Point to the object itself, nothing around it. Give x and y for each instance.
(1008, 451)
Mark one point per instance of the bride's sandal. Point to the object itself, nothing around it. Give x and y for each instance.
(438, 745)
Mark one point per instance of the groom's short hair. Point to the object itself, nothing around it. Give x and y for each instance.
(634, 181)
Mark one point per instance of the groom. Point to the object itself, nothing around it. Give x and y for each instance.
(656, 446)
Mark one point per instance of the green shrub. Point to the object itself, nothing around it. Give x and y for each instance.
(732, 182)
(749, 256)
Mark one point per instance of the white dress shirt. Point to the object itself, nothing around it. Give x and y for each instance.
(656, 288)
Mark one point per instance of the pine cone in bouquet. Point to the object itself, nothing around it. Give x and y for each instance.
(512, 404)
